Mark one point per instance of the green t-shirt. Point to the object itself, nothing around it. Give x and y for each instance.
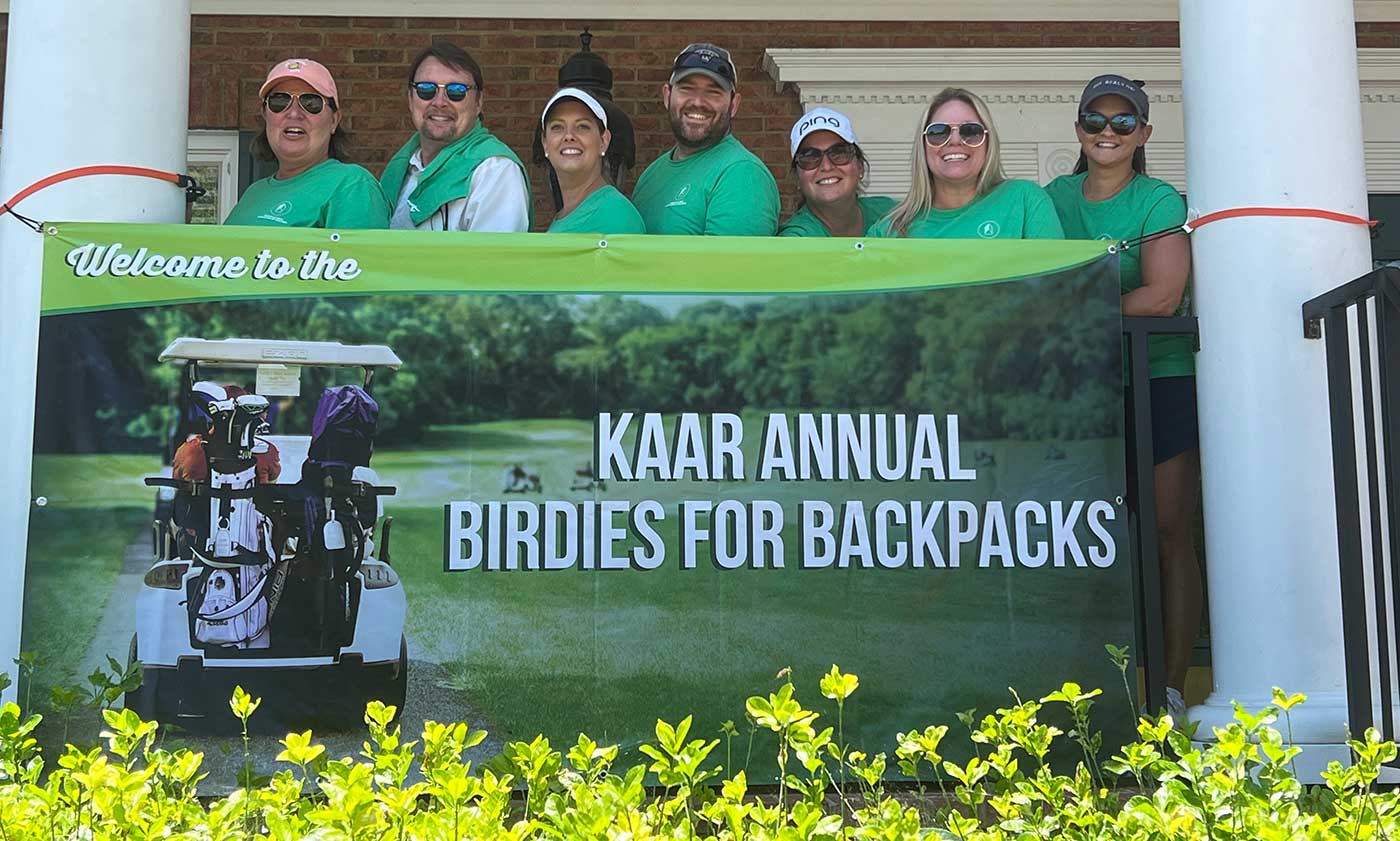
(331, 194)
(604, 211)
(722, 191)
(1144, 206)
(1014, 210)
(804, 223)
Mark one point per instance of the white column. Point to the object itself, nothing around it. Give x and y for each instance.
(1272, 108)
(86, 82)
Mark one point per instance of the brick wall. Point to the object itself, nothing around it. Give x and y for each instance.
(520, 58)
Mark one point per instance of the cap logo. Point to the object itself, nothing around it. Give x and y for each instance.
(293, 65)
(820, 119)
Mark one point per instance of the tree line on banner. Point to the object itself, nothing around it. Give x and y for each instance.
(1011, 363)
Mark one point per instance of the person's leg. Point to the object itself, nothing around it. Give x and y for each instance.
(1177, 482)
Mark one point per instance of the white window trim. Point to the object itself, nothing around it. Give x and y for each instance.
(207, 146)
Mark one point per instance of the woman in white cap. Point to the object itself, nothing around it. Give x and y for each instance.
(957, 189)
(830, 168)
(313, 187)
(575, 136)
(1110, 197)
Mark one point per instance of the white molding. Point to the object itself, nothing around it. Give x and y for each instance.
(922, 66)
(1032, 93)
(953, 10)
(220, 147)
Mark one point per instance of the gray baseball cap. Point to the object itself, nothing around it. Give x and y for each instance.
(706, 59)
(1110, 83)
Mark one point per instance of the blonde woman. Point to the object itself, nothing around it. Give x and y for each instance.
(957, 187)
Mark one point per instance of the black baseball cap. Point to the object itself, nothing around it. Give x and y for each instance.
(1110, 83)
(707, 59)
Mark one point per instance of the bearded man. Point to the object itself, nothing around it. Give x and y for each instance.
(708, 183)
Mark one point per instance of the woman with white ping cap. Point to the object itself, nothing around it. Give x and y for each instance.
(830, 169)
(575, 137)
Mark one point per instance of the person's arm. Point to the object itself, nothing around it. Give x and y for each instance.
(793, 228)
(1042, 222)
(743, 203)
(1166, 262)
(498, 200)
(358, 203)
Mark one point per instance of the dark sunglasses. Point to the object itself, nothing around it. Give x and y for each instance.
(456, 91)
(1092, 122)
(311, 103)
(839, 154)
(938, 134)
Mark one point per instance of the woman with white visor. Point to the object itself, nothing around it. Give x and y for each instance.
(575, 136)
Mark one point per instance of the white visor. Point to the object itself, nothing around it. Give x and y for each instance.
(582, 96)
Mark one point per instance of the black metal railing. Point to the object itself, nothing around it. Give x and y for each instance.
(1147, 572)
(1370, 592)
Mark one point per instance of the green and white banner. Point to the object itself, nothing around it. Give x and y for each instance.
(632, 478)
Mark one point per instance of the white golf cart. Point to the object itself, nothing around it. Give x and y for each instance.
(278, 580)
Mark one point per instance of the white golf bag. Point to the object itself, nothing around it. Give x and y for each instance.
(243, 580)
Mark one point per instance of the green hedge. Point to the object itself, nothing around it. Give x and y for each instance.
(1241, 786)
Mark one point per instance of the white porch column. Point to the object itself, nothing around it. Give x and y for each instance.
(1272, 119)
(86, 82)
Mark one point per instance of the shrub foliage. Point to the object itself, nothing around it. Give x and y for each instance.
(1239, 785)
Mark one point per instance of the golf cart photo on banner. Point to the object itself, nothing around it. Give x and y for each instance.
(267, 573)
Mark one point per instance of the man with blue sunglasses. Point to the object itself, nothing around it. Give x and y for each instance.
(453, 174)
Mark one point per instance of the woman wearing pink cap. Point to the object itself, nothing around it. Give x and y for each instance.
(830, 168)
(575, 137)
(313, 187)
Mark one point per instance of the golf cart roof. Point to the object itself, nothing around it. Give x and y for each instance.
(254, 352)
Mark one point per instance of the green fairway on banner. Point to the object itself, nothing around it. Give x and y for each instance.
(102, 266)
(632, 479)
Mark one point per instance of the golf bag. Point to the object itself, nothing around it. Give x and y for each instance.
(238, 588)
(338, 515)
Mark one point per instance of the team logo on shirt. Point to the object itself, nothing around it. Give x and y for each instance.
(989, 229)
(679, 200)
(278, 213)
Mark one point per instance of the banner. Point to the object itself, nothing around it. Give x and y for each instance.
(557, 484)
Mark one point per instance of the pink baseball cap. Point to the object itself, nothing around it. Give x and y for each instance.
(313, 73)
